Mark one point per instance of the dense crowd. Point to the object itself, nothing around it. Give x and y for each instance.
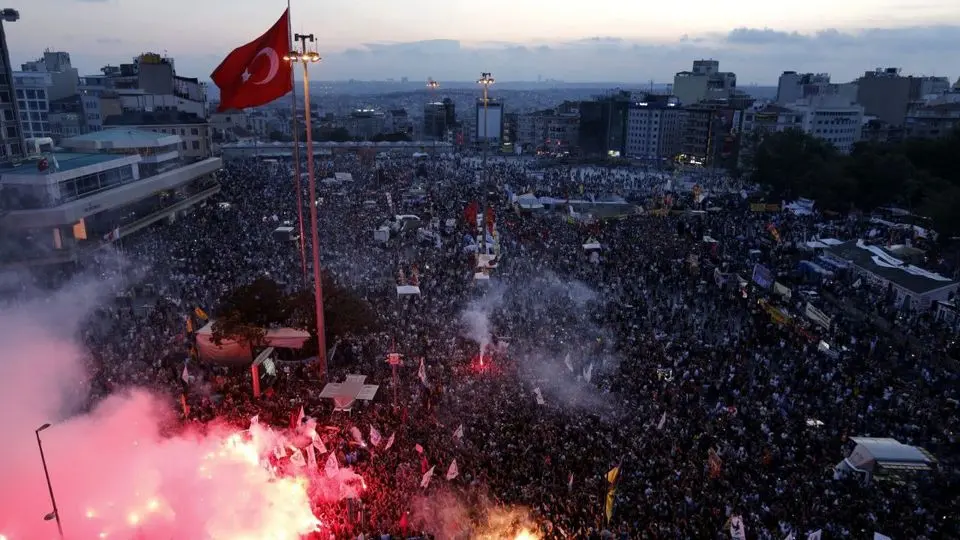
(651, 356)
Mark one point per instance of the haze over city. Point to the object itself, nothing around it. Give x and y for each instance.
(605, 40)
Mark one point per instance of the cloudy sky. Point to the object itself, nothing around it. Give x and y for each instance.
(599, 40)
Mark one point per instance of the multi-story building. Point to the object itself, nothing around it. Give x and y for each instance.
(704, 83)
(64, 206)
(603, 125)
(833, 119)
(794, 86)
(365, 123)
(654, 127)
(33, 101)
(63, 76)
(885, 94)
(488, 121)
(11, 136)
(398, 121)
(711, 134)
(931, 121)
(438, 118)
(148, 84)
(196, 137)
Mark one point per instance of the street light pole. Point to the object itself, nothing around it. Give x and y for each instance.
(432, 85)
(305, 57)
(485, 80)
(46, 473)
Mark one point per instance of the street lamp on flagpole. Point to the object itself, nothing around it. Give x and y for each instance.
(305, 58)
(485, 80)
(432, 86)
(56, 513)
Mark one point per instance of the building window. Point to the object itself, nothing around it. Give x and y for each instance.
(194, 131)
(11, 132)
(4, 97)
(31, 93)
(42, 94)
(196, 145)
(20, 94)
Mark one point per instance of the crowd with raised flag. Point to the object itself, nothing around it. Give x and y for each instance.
(639, 396)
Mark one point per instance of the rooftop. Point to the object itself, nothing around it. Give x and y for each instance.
(119, 138)
(156, 118)
(864, 258)
(65, 160)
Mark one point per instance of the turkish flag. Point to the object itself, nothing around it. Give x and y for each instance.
(256, 73)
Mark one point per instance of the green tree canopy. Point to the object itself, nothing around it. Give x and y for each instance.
(920, 175)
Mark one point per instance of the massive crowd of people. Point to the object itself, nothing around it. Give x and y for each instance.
(651, 356)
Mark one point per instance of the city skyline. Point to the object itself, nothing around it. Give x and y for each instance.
(454, 41)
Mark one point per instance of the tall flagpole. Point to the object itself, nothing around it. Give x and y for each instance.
(296, 151)
(305, 57)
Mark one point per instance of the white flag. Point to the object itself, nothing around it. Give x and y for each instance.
(318, 444)
(588, 373)
(297, 458)
(790, 536)
(539, 396)
(300, 417)
(458, 434)
(280, 452)
(332, 467)
(815, 535)
(374, 436)
(389, 442)
(663, 421)
(453, 471)
(425, 481)
(255, 421)
(566, 360)
(312, 457)
(570, 481)
(357, 436)
(422, 372)
(878, 536)
(737, 530)
(185, 375)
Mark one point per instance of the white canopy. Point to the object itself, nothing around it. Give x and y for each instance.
(230, 351)
(403, 290)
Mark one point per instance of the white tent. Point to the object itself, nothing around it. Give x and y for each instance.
(230, 351)
(343, 177)
(591, 245)
(874, 455)
(407, 290)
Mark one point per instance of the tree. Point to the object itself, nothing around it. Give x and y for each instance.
(245, 313)
(343, 311)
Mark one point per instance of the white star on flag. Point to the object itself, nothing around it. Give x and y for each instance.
(425, 481)
(280, 452)
(318, 444)
(453, 471)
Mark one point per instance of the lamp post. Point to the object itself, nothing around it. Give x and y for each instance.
(485, 80)
(305, 57)
(56, 513)
(432, 86)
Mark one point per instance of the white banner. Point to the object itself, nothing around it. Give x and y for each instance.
(817, 316)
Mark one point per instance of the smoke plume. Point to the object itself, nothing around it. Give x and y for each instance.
(125, 469)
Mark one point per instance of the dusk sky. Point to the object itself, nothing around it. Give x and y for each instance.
(599, 40)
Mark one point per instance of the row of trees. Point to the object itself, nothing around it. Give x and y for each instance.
(920, 175)
(246, 312)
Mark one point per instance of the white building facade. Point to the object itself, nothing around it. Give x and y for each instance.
(833, 119)
(33, 100)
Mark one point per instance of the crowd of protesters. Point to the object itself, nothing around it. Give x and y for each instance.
(651, 354)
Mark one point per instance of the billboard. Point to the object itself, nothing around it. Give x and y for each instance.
(494, 121)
